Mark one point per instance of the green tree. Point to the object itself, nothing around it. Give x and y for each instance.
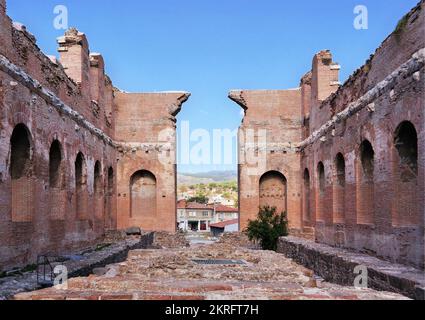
(200, 198)
(268, 228)
(227, 196)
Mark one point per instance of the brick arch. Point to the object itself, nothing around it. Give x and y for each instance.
(307, 196)
(339, 189)
(81, 187)
(21, 173)
(109, 192)
(57, 193)
(143, 195)
(98, 191)
(365, 184)
(273, 191)
(405, 176)
(56, 165)
(321, 190)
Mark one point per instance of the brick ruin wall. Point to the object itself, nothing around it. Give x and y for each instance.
(147, 167)
(65, 133)
(352, 157)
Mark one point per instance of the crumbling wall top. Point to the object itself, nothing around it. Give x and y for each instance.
(73, 37)
(238, 97)
(306, 79)
(96, 60)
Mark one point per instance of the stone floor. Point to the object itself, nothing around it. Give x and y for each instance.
(78, 263)
(170, 274)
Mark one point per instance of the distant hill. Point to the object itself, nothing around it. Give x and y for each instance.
(206, 177)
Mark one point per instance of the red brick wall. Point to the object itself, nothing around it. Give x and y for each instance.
(72, 101)
(278, 113)
(145, 127)
(384, 217)
(380, 213)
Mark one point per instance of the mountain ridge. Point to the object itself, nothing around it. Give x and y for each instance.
(206, 177)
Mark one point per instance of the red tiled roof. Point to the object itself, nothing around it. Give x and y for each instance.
(181, 204)
(223, 224)
(222, 208)
(195, 205)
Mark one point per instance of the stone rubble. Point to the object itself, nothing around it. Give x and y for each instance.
(169, 240)
(82, 263)
(170, 274)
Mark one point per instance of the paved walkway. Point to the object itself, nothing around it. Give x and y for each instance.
(171, 274)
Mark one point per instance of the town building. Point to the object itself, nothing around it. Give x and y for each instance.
(192, 216)
(219, 228)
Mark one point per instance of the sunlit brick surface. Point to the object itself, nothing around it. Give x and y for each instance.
(53, 110)
(375, 120)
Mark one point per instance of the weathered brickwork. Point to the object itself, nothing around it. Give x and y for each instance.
(66, 153)
(351, 157)
(146, 169)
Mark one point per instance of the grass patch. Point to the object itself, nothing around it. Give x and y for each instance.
(401, 26)
(102, 246)
(18, 272)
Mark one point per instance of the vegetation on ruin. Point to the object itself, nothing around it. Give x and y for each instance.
(268, 228)
(102, 246)
(18, 272)
(401, 26)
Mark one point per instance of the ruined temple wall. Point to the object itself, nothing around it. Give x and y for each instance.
(394, 229)
(22, 241)
(146, 131)
(73, 101)
(379, 211)
(278, 114)
(37, 92)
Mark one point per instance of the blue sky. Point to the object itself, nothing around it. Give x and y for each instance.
(208, 47)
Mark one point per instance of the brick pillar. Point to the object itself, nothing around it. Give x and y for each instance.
(325, 76)
(97, 89)
(306, 103)
(97, 77)
(74, 56)
(324, 82)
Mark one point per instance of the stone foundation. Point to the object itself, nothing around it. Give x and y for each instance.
(172, 274)
(337, 266)
(93, 258)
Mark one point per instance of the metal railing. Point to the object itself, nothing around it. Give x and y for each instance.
(45, 271)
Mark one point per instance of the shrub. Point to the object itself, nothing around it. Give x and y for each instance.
(268, 228)
(199, 198)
